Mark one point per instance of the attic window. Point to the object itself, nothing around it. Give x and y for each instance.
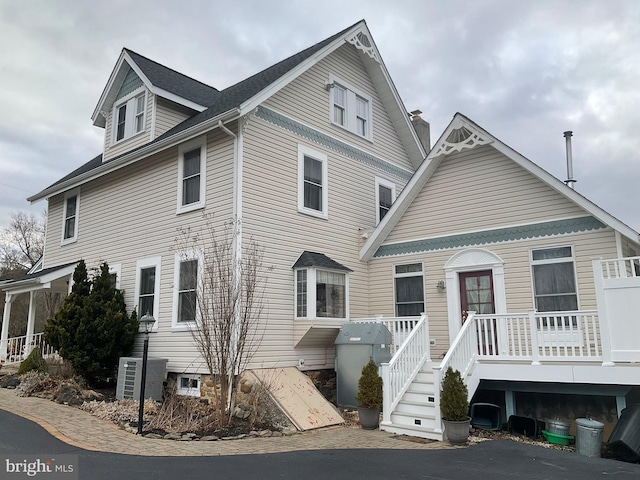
(351, 108)
(128, 116)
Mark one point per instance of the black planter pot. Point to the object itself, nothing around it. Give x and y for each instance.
(369, 418)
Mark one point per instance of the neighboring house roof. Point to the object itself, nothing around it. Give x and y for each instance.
(462, 133)
(313, 259)
(242, 98)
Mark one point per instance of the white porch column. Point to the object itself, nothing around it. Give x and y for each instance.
(4, 339)
(30, 322)
(603, 318)
(533, 329)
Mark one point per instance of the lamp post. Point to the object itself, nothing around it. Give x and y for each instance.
(146, 322)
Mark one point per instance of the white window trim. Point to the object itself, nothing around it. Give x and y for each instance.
(385, 183)
(351, 110)
(311, 294)
(130, 118)
(571, 259)
(409, 274)
(145, 263)
(200, 142)
(191, 392)
(75, 192)
(117, 269)
(321, 157)
(183, 257)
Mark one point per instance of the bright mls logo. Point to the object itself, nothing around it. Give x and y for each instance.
(51, 467)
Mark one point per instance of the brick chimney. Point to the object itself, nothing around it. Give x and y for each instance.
(422, 128)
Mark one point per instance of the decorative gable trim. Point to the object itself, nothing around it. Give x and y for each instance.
(488, 237)
(462, 136)
(361, 41)
(454, 134)
(331, 143)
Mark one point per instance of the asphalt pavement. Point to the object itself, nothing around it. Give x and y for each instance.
(491, 460)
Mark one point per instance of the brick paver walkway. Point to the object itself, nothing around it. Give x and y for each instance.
(83, 430)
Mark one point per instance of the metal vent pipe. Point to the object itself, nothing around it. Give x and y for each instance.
(570, 180)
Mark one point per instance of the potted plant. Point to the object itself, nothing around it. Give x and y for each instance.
(369, 396)
(454, 406)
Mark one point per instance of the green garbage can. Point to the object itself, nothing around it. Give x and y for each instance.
(588, 437)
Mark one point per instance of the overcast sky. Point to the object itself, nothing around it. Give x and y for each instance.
(526, 71)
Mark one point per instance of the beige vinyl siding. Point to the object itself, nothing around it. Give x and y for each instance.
(307, 100)
(480, 189)
(271, 217)
(517, 273)
(629, 248)
(130, 215)
(112, 150)
(168, 115)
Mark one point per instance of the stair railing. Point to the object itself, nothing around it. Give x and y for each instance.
(402, 369)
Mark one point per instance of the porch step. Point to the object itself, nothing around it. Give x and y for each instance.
(412, 431)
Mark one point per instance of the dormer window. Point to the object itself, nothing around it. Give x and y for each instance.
(129, 116)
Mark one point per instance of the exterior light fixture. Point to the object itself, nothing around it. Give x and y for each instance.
(146, 322)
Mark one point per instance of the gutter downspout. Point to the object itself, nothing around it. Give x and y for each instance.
(236, 257)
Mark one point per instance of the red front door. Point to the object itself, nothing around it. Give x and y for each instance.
(476, 292)
(476, 295)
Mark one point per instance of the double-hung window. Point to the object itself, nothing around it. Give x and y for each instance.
(321, 293)
(312, 182)
(187, 281)
(554, 279)
(147, 290)
(385, 195)
(192, 175)
(409, 289)
(129, 116)
(351, 108)
(70, 216)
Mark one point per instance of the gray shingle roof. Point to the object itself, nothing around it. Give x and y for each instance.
(218, 101)
(313, 259)
(175, 82)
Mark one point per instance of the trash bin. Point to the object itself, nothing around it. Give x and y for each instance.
(558, 427)
(355, 345)
(624, 441)
(588, 437)
(486, 416)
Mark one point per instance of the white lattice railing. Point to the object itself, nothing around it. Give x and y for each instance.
(403, 367)
(628, 267)
(18, 348)
(400, 328)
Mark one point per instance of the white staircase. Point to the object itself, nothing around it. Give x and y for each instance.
(415, 413)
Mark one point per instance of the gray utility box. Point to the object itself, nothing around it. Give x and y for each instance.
(355, 345)
(130, 378)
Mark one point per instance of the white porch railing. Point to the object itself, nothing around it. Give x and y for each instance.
(403, 367)
(18, 348)
(533, 337)
(400, 328)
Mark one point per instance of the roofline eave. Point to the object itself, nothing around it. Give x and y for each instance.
(133, 157)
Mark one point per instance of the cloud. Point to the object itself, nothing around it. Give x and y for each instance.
(525, 71)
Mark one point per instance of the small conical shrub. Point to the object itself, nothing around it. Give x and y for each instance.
(370, 387)
(34, 361)
(454, 403)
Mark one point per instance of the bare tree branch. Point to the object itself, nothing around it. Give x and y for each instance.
(21, 243)
(229, 303)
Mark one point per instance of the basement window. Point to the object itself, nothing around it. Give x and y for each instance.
(188, 385)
